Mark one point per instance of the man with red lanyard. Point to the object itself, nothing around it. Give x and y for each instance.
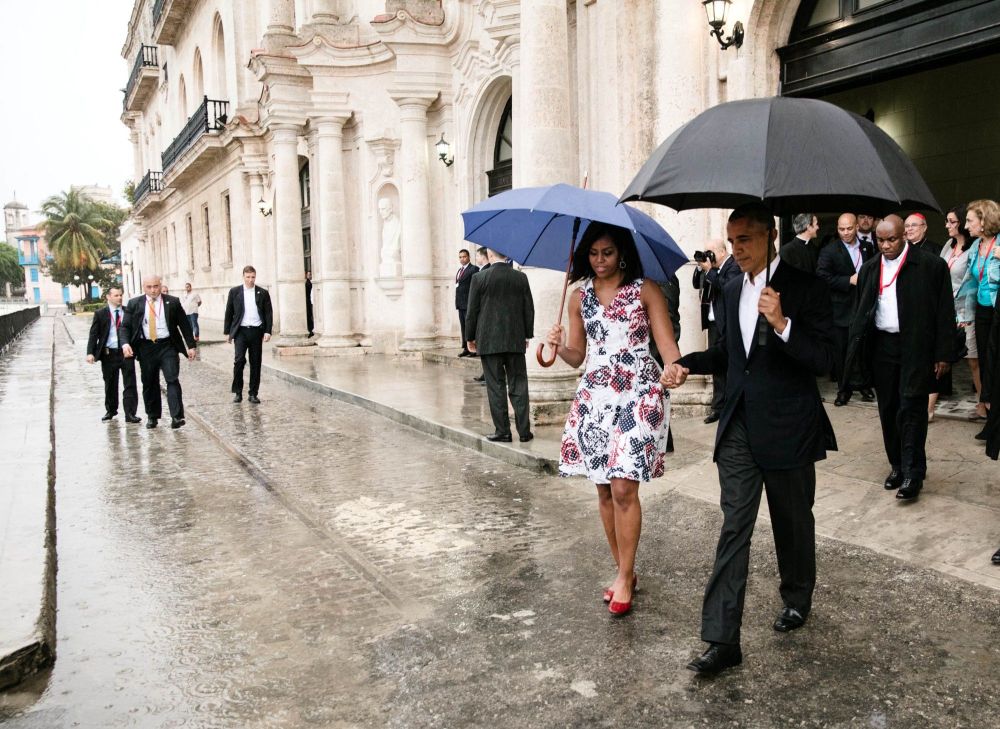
(903, 334)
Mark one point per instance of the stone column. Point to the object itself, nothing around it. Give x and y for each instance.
(418, 284)
(258, 232)
(335, 270)
(291, 273)
(325, 11)
(280, 24)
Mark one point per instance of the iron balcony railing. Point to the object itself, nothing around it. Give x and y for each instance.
(158, 11)
(210, 116)
(30, 259)
(151, 182)
(145, 58)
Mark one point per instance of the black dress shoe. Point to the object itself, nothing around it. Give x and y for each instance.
(254, 399)
(981, 435)
(132, 419)
(894, 480)
(910, 489)
(237, 397)
(712, 418)
(465, 353)
(176, 423)
(526, 437)
(150, 423)
(716, 659)
(842, 399)
(481, 378)
(499, 437)
(789, 620)
(867, 395)
(996, 557)
(108, 416)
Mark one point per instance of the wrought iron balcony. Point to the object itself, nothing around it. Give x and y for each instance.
(144, 78)
(31, 259)
(169, 17)
(151, 182)
(211, 116)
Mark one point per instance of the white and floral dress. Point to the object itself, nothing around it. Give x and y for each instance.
(617, 426)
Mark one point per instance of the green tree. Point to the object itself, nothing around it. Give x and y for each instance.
(10, 270)
(114, 217)
(76, 230)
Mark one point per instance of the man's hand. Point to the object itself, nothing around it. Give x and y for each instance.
(674, 375)
(770, 306)
(192, 353)
(941, 369)
(705, 266)
(471, 346)
(127, 351)
(90, 359)
(267, 337)
(854, 280)
(229, 339)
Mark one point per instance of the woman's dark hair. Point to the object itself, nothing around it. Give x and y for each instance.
(960, 211)
(622, 240)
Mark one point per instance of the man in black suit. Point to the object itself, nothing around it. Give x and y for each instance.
(104, 344)
(802, 251)
(866, 233)
(156, 330)
(902, 336)
(500, 322)
(710, 278)
(772, 431)
(463, 280)
(248, 322)
(838, 265)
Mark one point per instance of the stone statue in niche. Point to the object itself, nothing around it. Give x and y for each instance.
(389, 254)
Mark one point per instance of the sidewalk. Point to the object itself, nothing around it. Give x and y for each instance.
(954, 527)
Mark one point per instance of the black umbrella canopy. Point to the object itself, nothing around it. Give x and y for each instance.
(794, 155)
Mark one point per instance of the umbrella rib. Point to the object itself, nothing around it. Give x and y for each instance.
(541, 233)
(498, 212)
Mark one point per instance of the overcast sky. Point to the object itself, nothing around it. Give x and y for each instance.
(61, 72)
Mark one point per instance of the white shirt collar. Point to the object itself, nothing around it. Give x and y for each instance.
(760, 278)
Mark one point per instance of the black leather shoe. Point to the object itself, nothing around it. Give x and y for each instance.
(237, 397)
(151, 423)
(499, 437)
(176, 423)
(894, 480)
(712, 418)
(481, 378)
(981, 435)
(996, 557)
(108, 416)
(842, 399)
(132, 419)
(716, 659)
(465, 353)
(867, 395)
(910, 489)
(789, 620)
(254, 399)
(526, 437)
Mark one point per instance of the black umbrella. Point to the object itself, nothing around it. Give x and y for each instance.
(793, 155)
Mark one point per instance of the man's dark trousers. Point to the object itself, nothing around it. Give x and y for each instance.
(790, 499)
(156, 357)
(461, 322)
(113, 363)
(840, 339)
(904, 419)
(718, 380)
(501, 371)
(248, 340)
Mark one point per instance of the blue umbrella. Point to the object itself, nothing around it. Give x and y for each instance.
(536, 226)
(539, 226)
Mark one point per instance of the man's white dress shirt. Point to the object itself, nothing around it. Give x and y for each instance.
(887, 313)
(162, 332)
(251, 317)
(749, 300)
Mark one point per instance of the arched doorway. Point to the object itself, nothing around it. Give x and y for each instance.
(502, 175)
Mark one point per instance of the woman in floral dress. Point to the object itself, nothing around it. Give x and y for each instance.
(616, 431)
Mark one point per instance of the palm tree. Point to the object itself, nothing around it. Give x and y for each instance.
(74, 227)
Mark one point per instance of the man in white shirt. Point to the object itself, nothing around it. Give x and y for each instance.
(191, 302)
(248, 323)
(104, 345)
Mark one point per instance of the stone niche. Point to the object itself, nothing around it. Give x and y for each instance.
(389, 240)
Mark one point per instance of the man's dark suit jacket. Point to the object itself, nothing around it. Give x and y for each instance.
(234, 310)
(100, 328)
(711, 284)
(786, 422)
(803, 255)
(177, 323)
(501, 315)
(462, 287)
(836, 268)
(926, 320)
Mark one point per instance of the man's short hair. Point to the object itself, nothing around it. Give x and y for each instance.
(249, 269)
(481, 252)
(464, 250)
(756, 212)
(802, 221)
(113, 287)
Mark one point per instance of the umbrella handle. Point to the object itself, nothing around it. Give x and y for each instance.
(540, 355)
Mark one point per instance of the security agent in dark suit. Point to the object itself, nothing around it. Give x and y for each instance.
(839, 264)
(802, 251)
(710, 278)
(500, 321)
(104, 344)
(772, 431)
(156, 330)
(248, 322)
(902, 336)
(463, 281)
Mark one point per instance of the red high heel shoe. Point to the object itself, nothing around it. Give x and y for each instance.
(609, 593)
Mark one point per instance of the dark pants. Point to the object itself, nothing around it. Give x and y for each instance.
(193, 318)
(507, 372)
(461, 322)
(154, 358)
(984, 325)
(904, 419)
(248, 340)
(840, 337)
(718, 380)
(309, 309)
(790, 495)
(113, 364)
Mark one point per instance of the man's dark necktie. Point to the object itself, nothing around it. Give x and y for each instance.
(118, 319)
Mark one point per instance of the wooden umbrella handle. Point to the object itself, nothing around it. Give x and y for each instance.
(540, 355)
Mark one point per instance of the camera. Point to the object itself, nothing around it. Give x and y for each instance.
(704, 257)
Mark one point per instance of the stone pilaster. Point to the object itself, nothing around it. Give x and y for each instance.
(280, 24)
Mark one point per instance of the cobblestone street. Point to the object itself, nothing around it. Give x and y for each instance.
(308, 563)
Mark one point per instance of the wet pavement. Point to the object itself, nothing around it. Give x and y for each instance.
(308, 563)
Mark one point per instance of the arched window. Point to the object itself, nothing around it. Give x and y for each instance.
(182, 100)
(199, 77)
(220, 90)
(501, 176)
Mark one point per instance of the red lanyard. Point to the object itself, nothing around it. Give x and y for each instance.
(882, 285)
(953, 256)
(985, 260)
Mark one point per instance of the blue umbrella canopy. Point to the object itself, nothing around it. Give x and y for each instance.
(534, 227)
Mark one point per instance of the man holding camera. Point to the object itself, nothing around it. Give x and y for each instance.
(714, 268)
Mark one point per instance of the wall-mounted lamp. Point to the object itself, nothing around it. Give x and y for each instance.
(444, 152)
(716, 11)
(264, 208)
